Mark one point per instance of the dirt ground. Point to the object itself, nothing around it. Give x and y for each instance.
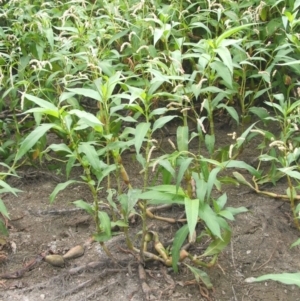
(260, 245)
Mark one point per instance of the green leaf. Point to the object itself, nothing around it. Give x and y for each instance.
(32, 139)
(291, 173)
(70, 165)
(59, 187)
(242, 180)
(243, 165)
(210, 219)
(90, 93)
(182, 138)
(179, 238)
(210, 143)
(3, 210)
(218, 245)
(61, 147)
(85, 206)
(106, 89)
(225, 55)
(191, 211)
(226, 34)
(141, 132)
(41, 102)
(286, 278)
(86, 118)
(227, 214)
(221, 201)
(133, 197)
(158, 33)
(296, 243)
(3, 229)
(231, 111)
(7, 188)
(158, 197)
(222, 72)
(169, 188)
(105, 223)
(262, 113)
(200, 276)
(54, 113)
(184, 165)
(212, 180)
(91, 155)
(238, 210)
(162, 121)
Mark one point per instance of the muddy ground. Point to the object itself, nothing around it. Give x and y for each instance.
(260, 245)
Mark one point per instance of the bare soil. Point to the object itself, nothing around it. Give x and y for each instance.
(260, 245)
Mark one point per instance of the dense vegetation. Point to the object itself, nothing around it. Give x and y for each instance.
(106, 76)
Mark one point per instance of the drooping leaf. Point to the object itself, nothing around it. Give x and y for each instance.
(84, 205)
(225, 55)
(286, 278)
(200, 276)
(243, 165)
(292, 173)
(41, 102)
(179, 238)
(210, 218)
(222, 71)
(231, 111)
(91, 154)
(88, 119)
(61, 147)
(61, 186)
(90, 93)
(7, 188)
(241, 179)
(226, 34)
(162, 121)
(32, 139)
(218, 245)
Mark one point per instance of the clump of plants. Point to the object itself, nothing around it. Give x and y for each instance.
(107, 77)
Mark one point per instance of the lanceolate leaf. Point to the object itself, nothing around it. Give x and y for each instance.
(84, 205)
(230, 32)
(7, 188)
(286, 278)
(32, 139)
(225, 55)
(140, 134)
(60, 187)
(91, 154)
(86, 92)
(179, 239)
(241, 179)
(184, 165)
(191, 211)
(210, 219)
(200, 276)
(182, 138)
(3, 210)
(160, 122)
(218, 245)
(41, 102)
